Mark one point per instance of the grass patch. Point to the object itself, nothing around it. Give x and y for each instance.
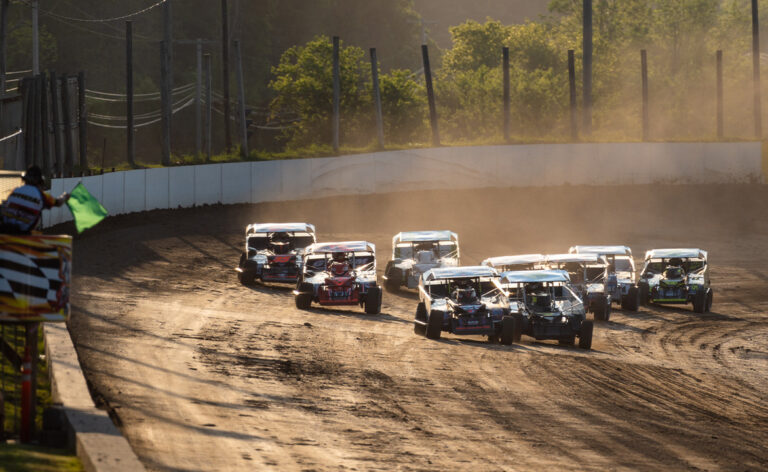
(22, 458)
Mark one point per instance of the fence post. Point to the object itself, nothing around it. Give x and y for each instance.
(129, 128)
(644, 73)
(377, 99)
(505, 71)
(587, 63)
(430, 96)
(66, 111)
(225, 66)
(38, 123)
(719, 58)
(56, 117)
(756, 71)
(199, 98)
(241, 100)
(44, 134)
(336, 94)
(572, 92)
(27, 89)
(83, 120)
(166, 98)
(208, 107)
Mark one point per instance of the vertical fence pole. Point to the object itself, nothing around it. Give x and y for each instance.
(572, 94)
(3, 39)
(67, 112)
(38, 123)
(241, 103)
(199, 98)
(129, 128)
(82, 127)
(166, 105)
(377, 99)
(756, 70)
(26, 87)
(225, 65)
(44, 134)
(56, 116)
(168, 39)
(208, 108)
(430, 96)
(505, 73)
(587, 63)
(336, 94)
(644, 73)
(719, 58)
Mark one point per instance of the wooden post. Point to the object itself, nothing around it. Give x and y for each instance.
(719, 58)
(199, 99)
(430, 95)
(644, 73)
(103, 154)
(168, 39)
(225, 65)
(756, 71)
(3, 40)
(336, 94)
(505, 71)
(82, 127)
(208, 107)
(377, 99)
(572, 92)
(130, 130)
(26, 87)
(587, 63)
(166, 106)
(67, 112)
(44, 134)
(241, 103)
(38, 123)
(56, 116)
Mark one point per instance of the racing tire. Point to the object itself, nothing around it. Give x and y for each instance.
(643, 293)
(303, 300)
(394, 280)
(700, 302)
(508, 328)
(710, 295)
(421, 315)
(631, 301)
(518, 334)
(602, 310)
(585, 335)
(567, 342)
(373, 301)
(434, 325)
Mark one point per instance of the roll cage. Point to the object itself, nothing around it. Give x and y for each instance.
(443, 244)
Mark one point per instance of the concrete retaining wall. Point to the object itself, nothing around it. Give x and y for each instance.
(393, 171)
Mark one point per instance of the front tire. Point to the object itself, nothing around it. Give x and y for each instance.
(700, 302)
(394, 280)
(421, 315)
(373, 301)
(585, 335)
(631, 300)
(508, 329)
(303, 301)
(602, 310)
(434, 325)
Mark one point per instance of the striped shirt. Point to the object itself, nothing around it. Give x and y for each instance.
(23, 208)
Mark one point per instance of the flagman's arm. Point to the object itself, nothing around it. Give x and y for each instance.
(50, 202)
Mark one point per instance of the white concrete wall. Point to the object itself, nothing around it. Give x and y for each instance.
(437, 168)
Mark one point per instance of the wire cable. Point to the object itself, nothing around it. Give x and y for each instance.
(12, 135)
(98, 20)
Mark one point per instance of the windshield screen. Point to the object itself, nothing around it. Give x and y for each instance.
(623, 265)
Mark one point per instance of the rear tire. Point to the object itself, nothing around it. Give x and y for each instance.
(631, 300)
(394, 280)
(710, 295)
(508, 328)
(421, 315)
(602, 310)
(434, 325)
(585, 335)
(644, 293)
(373, 301)
(567, 342)
(518, 334)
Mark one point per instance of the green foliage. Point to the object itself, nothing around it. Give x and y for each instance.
(27, 458)
(403, 102)
(20, 47)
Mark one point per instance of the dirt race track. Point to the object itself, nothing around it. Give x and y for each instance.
(202, 373)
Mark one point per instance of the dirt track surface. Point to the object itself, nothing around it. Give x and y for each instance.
(202, 373)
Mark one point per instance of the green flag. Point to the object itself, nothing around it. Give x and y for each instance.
(87, 211)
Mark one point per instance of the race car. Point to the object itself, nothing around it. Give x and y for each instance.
(587, 273)
(273, 252)
(620, 281)
(464, 300)
(518, 262)
(416, 252)
(339, 274)
(546, 306)
(676, 276)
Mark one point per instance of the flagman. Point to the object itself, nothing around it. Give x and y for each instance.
(22, 210)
